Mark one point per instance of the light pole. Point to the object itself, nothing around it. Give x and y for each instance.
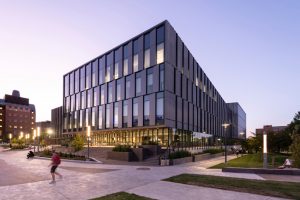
(50, 131)
(38, 135)
(10, 136)
(225, 125)
(265, 165)
(88, 133)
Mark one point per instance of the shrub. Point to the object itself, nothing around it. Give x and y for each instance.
(77, 143)
(179, 154)
(121, 148)
(295, 149)
(17, 146)
(149, 143)
(213, 151)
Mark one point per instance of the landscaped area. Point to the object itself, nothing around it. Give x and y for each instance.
(122, 196)
(268, 188)
(254, 161)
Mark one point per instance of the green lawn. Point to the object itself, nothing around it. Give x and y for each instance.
(253, 161)
(268, 188)
(122, 196)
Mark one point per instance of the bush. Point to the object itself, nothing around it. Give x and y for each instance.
(17, 146)
(149, 143)
(77, 143)
(213, 151)
(295, 149)
(179, 154)
(122, 148)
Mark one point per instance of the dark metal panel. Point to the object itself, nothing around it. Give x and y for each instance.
(140, 111)
(178, 83)
(169, 81)
(156, 78)
(144, 81)
(152, 109)
(179, 113)
(120, 114)
(129, 112)
(170, 44)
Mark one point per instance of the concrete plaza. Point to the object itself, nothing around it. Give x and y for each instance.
(29, 179)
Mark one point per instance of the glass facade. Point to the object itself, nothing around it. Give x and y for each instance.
(137, 92)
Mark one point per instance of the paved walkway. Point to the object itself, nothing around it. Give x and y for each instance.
(85, 181)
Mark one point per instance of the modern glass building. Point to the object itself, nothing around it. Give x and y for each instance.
(150, 88)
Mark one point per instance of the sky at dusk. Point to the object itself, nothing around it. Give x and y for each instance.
(250, 50)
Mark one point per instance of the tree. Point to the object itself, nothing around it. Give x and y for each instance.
(77, 143)
(295, 149)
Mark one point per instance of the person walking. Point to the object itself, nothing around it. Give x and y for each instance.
(55, 162)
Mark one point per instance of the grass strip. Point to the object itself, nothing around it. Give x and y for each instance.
(262, 187)
(122, 196)
(253, 161)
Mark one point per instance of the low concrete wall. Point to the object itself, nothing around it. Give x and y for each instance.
(138, 153)
(178, 161)
(154, 149)
(124, 156)
(263, 171)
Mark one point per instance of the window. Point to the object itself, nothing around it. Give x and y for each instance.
(88, 76)
(72, 83)
(100, 118)
(102, 94)
(125, 66)
(82, 79)
(150, 80)
(93, 116)
(95, 73)
(135, 112)
(160, 38)
(125, 61)
(118, 90)
(89, 98)
(147, 51)
(107, 77)
(135, 56)
(161, 77)
(160, 53)
(77, 81)
(146, 110)
(159, 108)
(107, 116)
(81, 119)
(66, 85)
(87, 113)
(127, 87)
(110, 93)
(96, 96)
(116, 115)
(125, 113)
(75, 119)
(147, 58)
(83, 97)
(138, 84)
(72, 103)
(135, 62)
(101, 70)
(116, 76)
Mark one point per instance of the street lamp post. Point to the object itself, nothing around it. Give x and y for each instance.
(38, 135)
(10, 136)
(225, 125)
(265, 164)
(88, 140)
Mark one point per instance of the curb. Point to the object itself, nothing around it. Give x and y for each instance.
(75, 161)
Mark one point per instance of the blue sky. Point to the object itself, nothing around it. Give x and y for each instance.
(250, 50)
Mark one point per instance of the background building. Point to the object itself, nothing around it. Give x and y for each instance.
(57, 121)
(16, 116)
(270, 128)
(149, 88)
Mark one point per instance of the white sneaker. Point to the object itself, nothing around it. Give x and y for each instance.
(52, 182)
